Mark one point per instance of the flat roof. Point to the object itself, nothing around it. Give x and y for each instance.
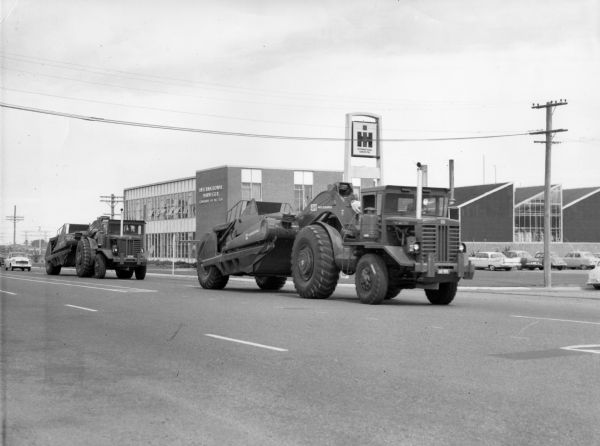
(468, 194)
(573, 196)
(161, 182)
(294, 169)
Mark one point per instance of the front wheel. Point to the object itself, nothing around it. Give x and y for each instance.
(443, 295)
(371, 279)
(124, 273)
(314, 270)
(492, 268)
(211, 278)
(270, 283)
(140, 272)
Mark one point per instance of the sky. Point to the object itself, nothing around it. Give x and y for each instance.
(428, 68)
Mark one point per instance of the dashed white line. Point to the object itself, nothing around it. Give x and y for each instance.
(108, 287)
(80, 308)
(556, 320)
(253, 344)
(8, 292)
(583, 348)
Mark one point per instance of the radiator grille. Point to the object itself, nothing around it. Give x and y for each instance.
(129, 247)
(441, 241)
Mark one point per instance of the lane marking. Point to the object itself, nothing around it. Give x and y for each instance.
(253, 344)
(594, 348)
(120, 289)
(8, 292)
(556, 320)
(80, 308)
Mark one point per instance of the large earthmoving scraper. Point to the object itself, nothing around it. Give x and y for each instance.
(103, 245)
(395, 238)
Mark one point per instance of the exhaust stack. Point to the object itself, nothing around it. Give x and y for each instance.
(451, 169)
(419, 207)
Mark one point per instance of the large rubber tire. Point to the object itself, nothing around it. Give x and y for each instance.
(444, 295)
(492, 268)
(51, 270)
(371, 279)
(140, 272)
(100, 266)
(211, 278)
(124, 273)
(314, 271)
(270, 283)
(84, 262)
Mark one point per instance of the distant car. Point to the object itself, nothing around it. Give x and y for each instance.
(514, 258)
(490, 260)
(556, 261)
(1, 261)
(580, 260)
(527, 260)
(594, 277)
(17, 260)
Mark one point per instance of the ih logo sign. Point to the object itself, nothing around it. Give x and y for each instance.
(365, 139)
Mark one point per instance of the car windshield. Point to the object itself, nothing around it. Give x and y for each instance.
(405, 204)
(18, 254)
(512, 254)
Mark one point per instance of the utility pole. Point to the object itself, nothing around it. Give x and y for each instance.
(112, 199)
(15, 218)
(549, 132)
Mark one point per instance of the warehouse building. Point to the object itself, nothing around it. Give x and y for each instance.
(581, 215)
(180, 211)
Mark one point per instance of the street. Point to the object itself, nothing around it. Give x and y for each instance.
(163, 361)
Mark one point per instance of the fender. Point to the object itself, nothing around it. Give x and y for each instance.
(93, 244)
(207, 247)
(345, 260)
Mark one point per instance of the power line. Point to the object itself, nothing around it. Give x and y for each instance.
(166, 80)
(242, 134)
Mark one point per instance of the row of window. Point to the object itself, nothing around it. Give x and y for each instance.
(172, 245)
(165, 207)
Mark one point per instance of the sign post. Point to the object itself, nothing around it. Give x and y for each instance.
(363, 140)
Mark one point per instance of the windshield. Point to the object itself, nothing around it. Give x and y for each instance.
(405, 204)
(17, 254)
(128, 228)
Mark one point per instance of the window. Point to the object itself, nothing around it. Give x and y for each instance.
(251, 184)
(303, 186)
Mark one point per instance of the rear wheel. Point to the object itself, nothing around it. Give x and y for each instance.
(492, 268)
(443, 295)
(124, 273)
(84, 262)
(271, 283)
(140, 272)
(211, 278)
(371, 279)
(314, 270)
(100, 266)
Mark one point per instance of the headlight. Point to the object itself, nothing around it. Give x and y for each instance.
(115, 250)
(414, 247)
(462, 247)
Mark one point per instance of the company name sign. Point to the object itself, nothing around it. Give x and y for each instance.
(210, 194)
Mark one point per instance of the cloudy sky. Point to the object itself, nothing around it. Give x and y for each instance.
(429, 68)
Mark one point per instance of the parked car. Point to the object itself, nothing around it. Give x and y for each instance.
(514, 258)
(490, 260)
(580, 259)
(1, 261)
(556, 261)
(527, 260)
(594, 276)
(17, 260)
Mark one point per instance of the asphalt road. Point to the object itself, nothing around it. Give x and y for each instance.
(162, 361)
